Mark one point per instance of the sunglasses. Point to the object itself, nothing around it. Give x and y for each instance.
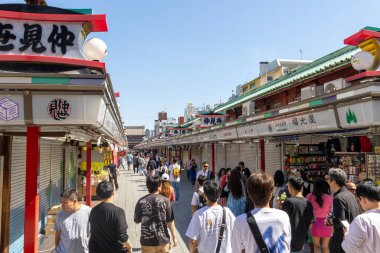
(206, 166)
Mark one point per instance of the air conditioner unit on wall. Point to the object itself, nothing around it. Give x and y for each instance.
(335, 85)
(248, 108)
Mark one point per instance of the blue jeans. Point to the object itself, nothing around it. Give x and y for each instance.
(176, 189)
(142, 170)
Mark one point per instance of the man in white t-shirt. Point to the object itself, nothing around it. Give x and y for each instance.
(363, 235)
(204, 227)
(273, 224)
(175, 178)
(198, 200)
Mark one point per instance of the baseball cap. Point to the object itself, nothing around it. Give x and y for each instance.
(165, 177)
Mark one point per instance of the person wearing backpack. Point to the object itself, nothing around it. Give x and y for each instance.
(175, 178)
(263, 229)
(210, 229)
(151, 166)
(198, 201)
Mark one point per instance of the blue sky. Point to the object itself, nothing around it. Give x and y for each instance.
(166, 53)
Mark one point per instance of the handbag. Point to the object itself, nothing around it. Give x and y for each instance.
(263, 248)
(221, 232)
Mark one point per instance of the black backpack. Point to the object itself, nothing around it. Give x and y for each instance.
(202, 200)
(152, 165)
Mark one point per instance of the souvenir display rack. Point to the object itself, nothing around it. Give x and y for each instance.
(306, 157)
(373, 166)
(353, 163)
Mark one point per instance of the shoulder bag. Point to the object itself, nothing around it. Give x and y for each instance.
(263, 248)
(221, 232)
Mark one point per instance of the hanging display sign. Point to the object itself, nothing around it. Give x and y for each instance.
(11, 110)
(359, 115)
(301, 123)
(226, 134)
(47, 37)
(210, 120)
(178, 130)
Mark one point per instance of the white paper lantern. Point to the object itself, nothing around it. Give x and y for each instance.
(362, 60)
(95, 49)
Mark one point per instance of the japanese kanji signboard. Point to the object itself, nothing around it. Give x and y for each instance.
(47, 37)
(300, 123)
(210, 120)
(59, 109)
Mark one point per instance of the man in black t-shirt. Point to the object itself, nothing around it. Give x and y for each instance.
(156, 215)
(300, 213)
(108, 224)
(113, 172)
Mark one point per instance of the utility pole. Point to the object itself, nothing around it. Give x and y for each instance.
(37, 2)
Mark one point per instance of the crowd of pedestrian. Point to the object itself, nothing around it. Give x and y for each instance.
(236, 211)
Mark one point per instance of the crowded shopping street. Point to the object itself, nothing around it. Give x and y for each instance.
(189, 126)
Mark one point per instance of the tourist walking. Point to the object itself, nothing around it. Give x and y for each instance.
(237, 197)
(205, 172)
(223, 188)
(108, 224)
(198, 200)
(121, 162)
(72, 217)
(113, 173)
(273, 224)
(245, 172)
(151, 166)
(175, 177)
(300, 213)
(220, 174)
(279, 183)
(322, 203)
(155, 213)
(163, 169)
(193, 172)
(210, 229)
(135, 163)
(129, 160)
(345, 208)
(187, 167)
(142, 163)
(166, 189)
(363, 235)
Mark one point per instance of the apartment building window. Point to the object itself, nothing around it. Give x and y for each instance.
(245, 89)
(269, 78)
(251, 86)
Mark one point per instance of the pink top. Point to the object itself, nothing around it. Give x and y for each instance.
(320, 212)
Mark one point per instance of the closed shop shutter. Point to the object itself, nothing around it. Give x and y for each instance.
(185, 156)
(249, 155)
(220, 156)
(233, 155)
(206, 154)
(272, 157)
(71, 170)
(18, 173)
(56, 173)
(44, 182)
(196, 155)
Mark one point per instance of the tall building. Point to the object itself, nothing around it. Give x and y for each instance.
(190, 112)
(135, 135)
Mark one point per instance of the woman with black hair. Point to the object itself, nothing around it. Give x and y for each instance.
(220, 174)
(322, 203)
(279, 183)
(237, 197)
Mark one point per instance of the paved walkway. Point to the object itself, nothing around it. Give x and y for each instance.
(132, 188)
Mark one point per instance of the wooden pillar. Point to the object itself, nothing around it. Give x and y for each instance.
(213, 158)
(31, 190)
(88, 173)
(262, 155)
(190, 153)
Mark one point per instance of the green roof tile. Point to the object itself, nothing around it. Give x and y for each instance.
(331, 61)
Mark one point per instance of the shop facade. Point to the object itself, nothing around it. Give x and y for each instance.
(53, 103)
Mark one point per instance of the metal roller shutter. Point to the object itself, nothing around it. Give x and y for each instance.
(233, 155)
(272, 157)
(44, 183)
(18, 173)
(249, 155)
(220, 156)
(206, 154)
(196, 155)
(71, 171)
(56, 173)
(185, 156)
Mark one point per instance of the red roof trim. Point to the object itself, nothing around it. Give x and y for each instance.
(98, 22)
(359, 37)
(362, 75)
(52, 59)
